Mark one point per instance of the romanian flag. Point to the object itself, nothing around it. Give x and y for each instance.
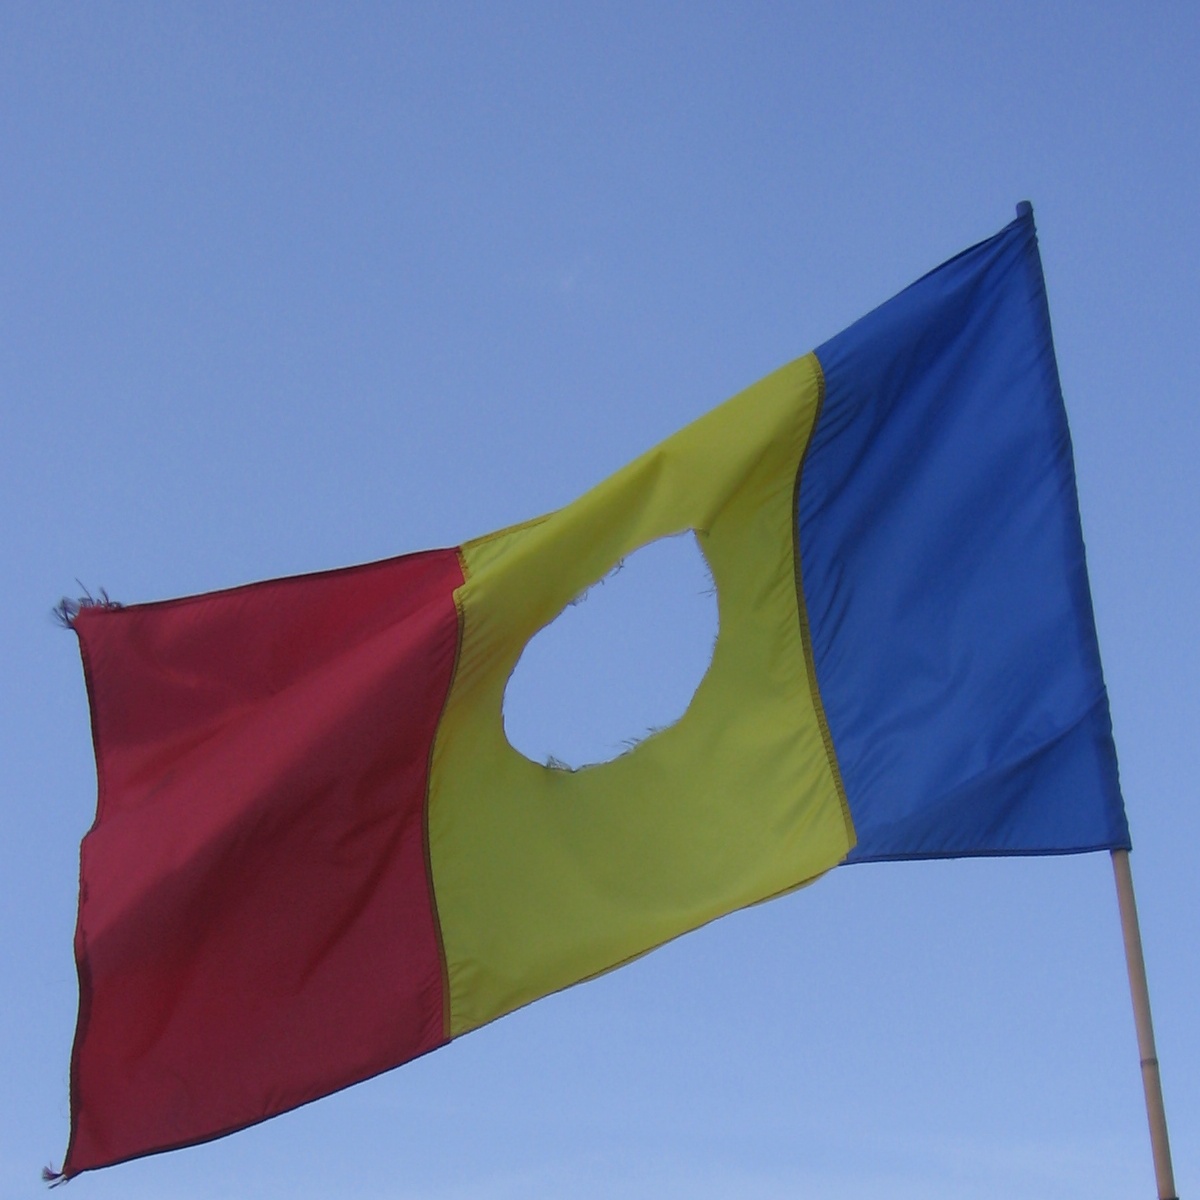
(316, 856)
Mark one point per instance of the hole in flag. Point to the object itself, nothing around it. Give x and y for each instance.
(620, 663)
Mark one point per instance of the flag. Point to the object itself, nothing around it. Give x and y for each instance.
(316, 856)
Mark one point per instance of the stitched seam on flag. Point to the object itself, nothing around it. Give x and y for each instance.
(443, 964)
(632, 958)
(810, 663)
(82, 962)
(994, 772)
(500, 533)
(204, 1138)
(302, 577)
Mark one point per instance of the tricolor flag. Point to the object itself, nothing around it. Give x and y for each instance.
(316, 856)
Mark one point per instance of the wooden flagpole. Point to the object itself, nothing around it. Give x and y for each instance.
(1151, 1082)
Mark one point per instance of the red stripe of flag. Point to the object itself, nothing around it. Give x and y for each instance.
(256, 925)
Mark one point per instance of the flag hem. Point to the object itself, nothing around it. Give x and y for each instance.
(810, 664)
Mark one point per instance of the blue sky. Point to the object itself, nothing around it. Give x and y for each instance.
(286, 287)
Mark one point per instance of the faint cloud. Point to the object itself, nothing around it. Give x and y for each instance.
(565, 278)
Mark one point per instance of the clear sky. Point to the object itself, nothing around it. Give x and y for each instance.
(292, 286)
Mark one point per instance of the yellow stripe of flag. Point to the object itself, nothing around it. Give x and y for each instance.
(544, 877)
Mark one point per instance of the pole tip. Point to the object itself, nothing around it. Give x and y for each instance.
(1024, 209)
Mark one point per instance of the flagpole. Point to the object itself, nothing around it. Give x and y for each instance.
(1140, 993)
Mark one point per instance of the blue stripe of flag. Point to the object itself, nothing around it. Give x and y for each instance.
(944, 574)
